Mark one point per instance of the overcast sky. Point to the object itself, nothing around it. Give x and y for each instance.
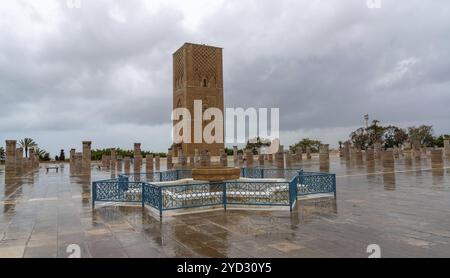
(103, 72)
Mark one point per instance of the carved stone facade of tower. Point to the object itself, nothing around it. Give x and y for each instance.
(198, 75)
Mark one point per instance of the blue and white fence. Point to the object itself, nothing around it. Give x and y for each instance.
(140, 188)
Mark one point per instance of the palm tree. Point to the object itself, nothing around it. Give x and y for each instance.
(27, 143)
(2, 153)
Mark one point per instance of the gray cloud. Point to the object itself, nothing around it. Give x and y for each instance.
(323, 63)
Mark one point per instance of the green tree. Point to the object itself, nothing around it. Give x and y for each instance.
(394, 136)
(42, 154)
(2, 153)
(62, 156)
(27, 143)
(423, 134)
(306, 142)
(360, 138)
(375, 133)
(96, 154)
(439, 141)
(257, 143)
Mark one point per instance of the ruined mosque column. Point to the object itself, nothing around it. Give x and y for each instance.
(196, 157)
(437, 160)
(324, 157)
(192, 160)
(157, 162)
(308, 152)
(203, 158)
(388, 159)
(78, 162)
(182, 159)
(240, 159)
(261, 160)
(19, 160)
(447, 148)
(10, 152)
(169, 159)
(86, 155)
(299, 154)
(377, 150)
(417, 152)
(235, 155)
(149, 163)
(288, 159)
(119, 164)
(113, 159)
(249, 158)
(34, 163)
(346, 151)
(223, 158)
(279, 157)
(137, 157)
(407, 152)
(72, 158)
(127, 165)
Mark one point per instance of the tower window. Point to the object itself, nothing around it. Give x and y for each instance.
(204, 83)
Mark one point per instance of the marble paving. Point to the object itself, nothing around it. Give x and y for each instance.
(404, 210)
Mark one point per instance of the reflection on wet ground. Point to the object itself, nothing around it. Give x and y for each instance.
(403, 208)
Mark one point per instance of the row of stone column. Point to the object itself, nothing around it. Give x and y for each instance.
(80, 162)
(15, 162)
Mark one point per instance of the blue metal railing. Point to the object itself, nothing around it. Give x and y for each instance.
(141, 189)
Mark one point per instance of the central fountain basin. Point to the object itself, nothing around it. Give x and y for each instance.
(216, 173)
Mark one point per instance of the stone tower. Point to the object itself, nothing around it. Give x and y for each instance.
(198, 75)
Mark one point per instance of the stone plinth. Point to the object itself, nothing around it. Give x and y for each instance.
(216, 173)
(10, 155)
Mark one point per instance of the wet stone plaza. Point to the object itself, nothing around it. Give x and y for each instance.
(403, 208)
